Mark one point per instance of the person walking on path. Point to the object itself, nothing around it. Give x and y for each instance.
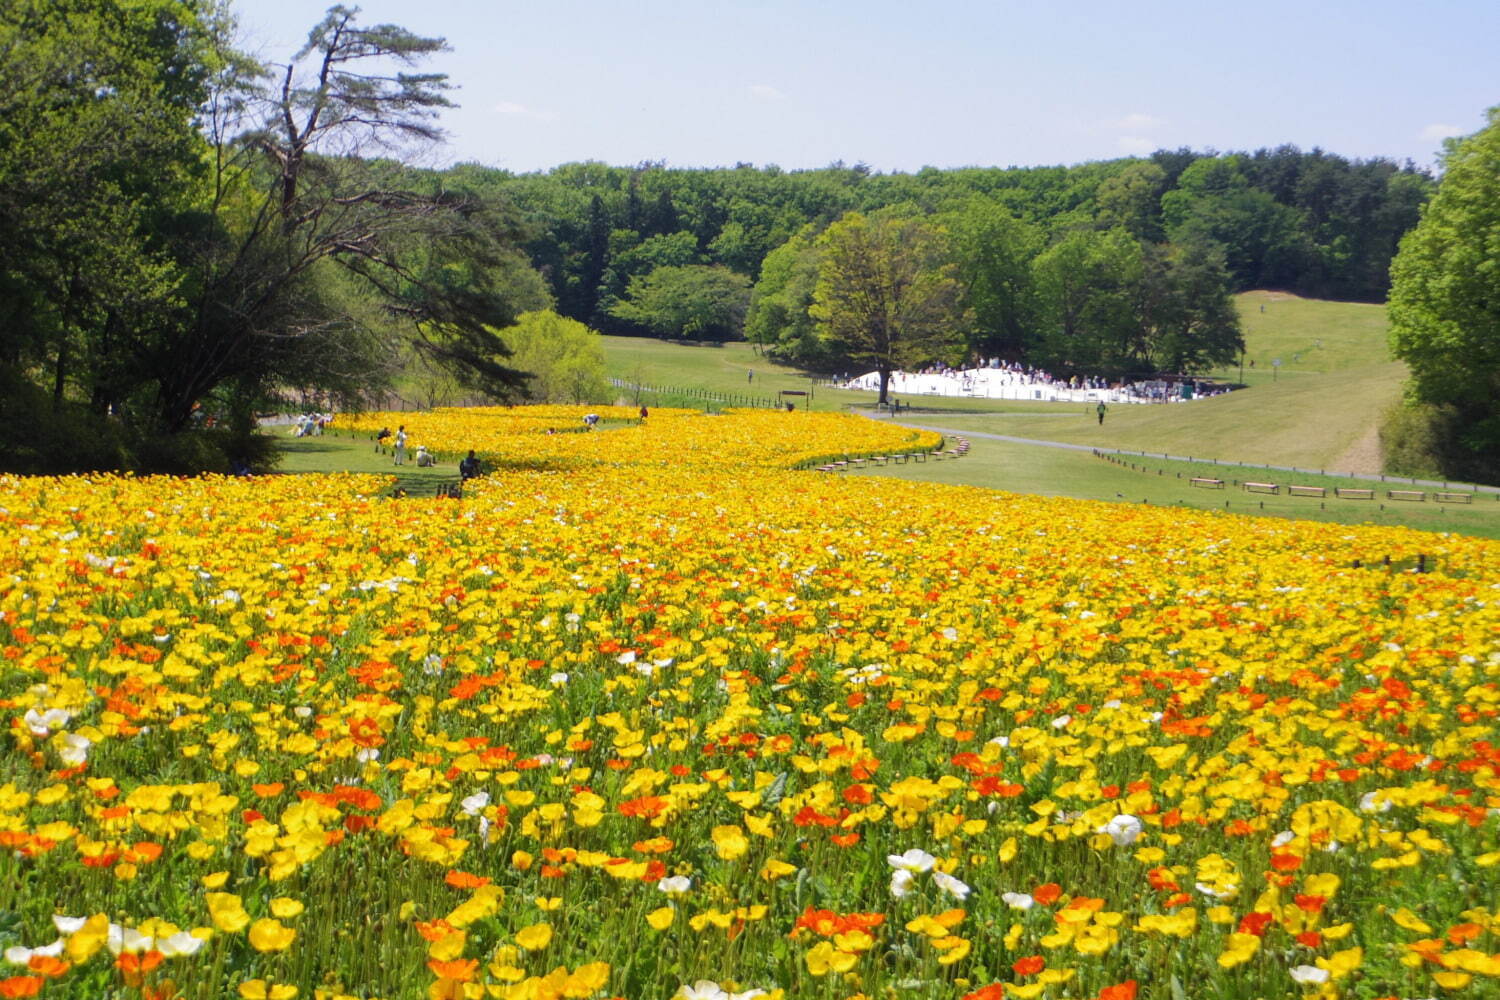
(401, 445)
(1100, 411)
(750, 375)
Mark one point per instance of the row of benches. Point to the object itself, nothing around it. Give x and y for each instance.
(1341, 492)
(959, 449)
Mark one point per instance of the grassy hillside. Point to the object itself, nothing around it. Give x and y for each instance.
(1308, 336)
(1307, 422)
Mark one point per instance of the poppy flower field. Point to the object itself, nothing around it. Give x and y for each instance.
(660, 716)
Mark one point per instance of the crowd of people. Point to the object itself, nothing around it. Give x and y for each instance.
(310, 424)
(993, 378)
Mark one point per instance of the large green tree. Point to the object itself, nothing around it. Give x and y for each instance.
(993, 250)
(297, 203)
(1445, 302)
(180, 224)
(1186, 317)
(99, 160)
(564, 357)
(778, 319)
(1264, 244)
(693, 301)
(1088, 284)
(887, 293)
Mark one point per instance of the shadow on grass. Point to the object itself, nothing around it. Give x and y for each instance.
(310, 446)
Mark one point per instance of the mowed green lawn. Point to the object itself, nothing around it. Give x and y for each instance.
(1020, 468)
(348, 452)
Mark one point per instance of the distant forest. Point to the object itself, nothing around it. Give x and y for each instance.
(1312, 223)
(185, 233)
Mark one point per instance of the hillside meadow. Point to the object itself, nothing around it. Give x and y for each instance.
(645, 722)
(1319, 409)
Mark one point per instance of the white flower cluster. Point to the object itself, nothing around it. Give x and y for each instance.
(915, 862)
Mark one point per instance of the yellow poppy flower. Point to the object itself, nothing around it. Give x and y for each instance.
(271, 935)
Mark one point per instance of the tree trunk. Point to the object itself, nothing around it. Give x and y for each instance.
(59, 380)
(885, 382)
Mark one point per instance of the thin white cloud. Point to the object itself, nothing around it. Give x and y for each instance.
(512, 108)
(1135, 145)
(766, 92)
(1138, 122)
(1437, 132)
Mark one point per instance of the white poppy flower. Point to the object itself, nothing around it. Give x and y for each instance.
(914, 860)
(134, 942)
(1124, 829)
(68, 925)
(75, 749)
(42, 723)
(179, 944)
(952, 886)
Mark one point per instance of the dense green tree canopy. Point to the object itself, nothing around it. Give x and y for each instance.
(1445, 298)
(1085, 283)
(779, 316)
(184, 230)
(993, 250)
(99, 160)
(693, 301)
(181, 226)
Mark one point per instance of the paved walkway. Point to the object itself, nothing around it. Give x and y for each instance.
(1395, 480)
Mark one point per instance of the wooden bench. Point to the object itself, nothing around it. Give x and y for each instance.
(1307, 491)
(920, 456)
(1205, 483)
(1453, 497)
(1351, 493)
(879, 459)
(1262, 488)
(1409, 495)
(858, 463)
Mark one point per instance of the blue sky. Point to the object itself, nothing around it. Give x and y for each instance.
(902, 85)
